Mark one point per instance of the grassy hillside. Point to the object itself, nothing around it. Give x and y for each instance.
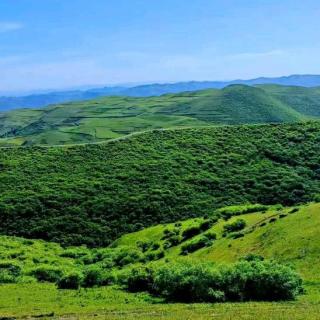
(113, 117)
(267, 233)
(302, 100)
(92, 194)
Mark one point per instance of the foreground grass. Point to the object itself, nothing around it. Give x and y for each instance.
(45, 301)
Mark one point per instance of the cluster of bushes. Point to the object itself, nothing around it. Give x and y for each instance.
(202, 282)
(172, 237)
(204, 241)
(9, 272)
(234, 227)
(229, 212)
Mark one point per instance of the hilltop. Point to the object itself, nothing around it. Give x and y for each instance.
(92, 194)
(114, 117)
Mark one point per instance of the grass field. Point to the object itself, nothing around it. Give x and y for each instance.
(46, 302)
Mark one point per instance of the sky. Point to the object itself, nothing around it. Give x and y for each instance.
(57, 44)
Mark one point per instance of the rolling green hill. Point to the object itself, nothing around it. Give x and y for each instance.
(114, 117)
(94, 193)
(267, 233)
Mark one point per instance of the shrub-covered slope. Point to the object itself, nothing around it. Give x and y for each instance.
(92, 194)
(266, 234)
(286, 234)
(112, 117)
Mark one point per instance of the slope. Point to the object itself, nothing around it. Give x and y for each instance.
(303, 100)
(267, 233)
(92, 194)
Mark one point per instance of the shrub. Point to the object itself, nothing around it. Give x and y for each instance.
(230, 212)
(206, 225)
(210, 235)
(70, 281)
(172, 241)
(189, 282)
(9, 272)
(197, 244)
(144, 245)
(191, 232)
(140, 279)
(155, 255)
(238, 225)
(236, 235)
(47, 273)
(73, 254)
(252, 257)
(155, 246)
(261, 281)
(126, 256)
(93, 276)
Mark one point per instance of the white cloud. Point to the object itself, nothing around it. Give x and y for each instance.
(253, 55)
(10, 26)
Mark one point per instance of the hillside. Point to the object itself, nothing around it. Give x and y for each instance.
(156, 89)
(113, 117)
(94, 193)
(302, 100)
(267, 233)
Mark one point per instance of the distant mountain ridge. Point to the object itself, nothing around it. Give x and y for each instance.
(156, 89)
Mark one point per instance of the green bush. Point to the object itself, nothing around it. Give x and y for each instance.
(47, 273)
(93, 276)
(9, 272)
(261, 281)
(252, 257)
(238, 225)
(70, 281)
(197, 244)
(126, 256)
(206, 225)
(188, 282)
(140, 279)
(154, 255)
(252, 280)
(191, 232)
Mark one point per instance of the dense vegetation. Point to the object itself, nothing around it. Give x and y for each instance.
(202, 282)
(92, 194)
(114, 117)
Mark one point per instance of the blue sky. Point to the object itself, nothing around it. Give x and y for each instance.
(54, 44)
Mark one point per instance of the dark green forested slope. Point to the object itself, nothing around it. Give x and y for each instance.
(94, 193)
(113, 117)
